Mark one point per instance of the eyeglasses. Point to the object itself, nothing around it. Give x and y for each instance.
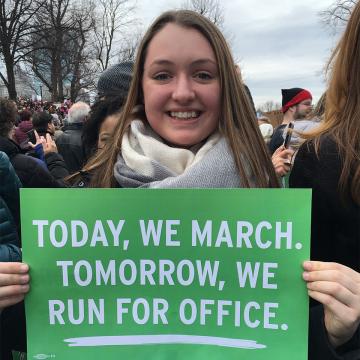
(306, 103)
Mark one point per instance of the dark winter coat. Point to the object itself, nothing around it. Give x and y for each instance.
(9, 209)
(9, 187)
(70, 146)
(9, 240)
(33, 172)
(277, 138)
(335, 229)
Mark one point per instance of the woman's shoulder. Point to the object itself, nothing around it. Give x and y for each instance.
(316, 161)
(318, 149)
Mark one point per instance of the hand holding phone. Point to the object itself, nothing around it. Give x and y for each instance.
(289, 131)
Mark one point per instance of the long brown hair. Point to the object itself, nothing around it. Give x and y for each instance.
(238, 123)
(342, 106)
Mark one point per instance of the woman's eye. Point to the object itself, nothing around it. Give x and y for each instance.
(104, 138)
(203, 76)
(161, 76)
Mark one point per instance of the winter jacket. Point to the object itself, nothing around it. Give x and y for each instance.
(71, 148)
(9, 186)
(9, 251)
(32, 172)
(335, 226)
(9, 209)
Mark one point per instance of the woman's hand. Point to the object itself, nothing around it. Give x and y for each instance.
(337, 287)
(49, 145)
(14, 283)
(281, 160)
(39, 140)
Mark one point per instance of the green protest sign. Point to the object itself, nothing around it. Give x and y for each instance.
(166, 274)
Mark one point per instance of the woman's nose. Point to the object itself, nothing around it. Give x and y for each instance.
(183, 91)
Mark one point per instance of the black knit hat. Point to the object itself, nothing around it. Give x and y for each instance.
(293, 96)
(115, 81)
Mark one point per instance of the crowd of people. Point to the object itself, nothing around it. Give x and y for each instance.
(181, 117)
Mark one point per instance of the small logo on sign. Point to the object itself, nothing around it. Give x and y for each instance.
(43, 356)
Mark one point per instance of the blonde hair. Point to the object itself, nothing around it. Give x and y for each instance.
(342, 106)
(238, 123)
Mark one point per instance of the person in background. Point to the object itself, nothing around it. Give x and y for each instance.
(114, 82)
(329, 163)
(100, 126)
(9, 211)
(32, 172)
(24, 126)
(266, 128)
(113, 87)
(57, 124)
(69, 143)
(43, 123)
(296, 105)
(10, 252)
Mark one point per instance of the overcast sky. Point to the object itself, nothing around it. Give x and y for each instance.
(277, 43)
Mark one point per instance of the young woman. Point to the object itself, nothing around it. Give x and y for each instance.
(329, 163)
(187, 122)
(100, 125)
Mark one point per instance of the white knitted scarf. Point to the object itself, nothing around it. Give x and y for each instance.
(146, 161)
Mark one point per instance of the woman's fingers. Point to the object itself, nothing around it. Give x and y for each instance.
(49, 144)
(13, 268)
(13, 279)
(37, 137)
(332, 272)
(49, 138)
(10, 301)
(337, 287)
(281, 166)
(14, 282)
(13, 291)
(320, 266)
(278, 150)
(333, 290)
(336, 277)
(281, 160)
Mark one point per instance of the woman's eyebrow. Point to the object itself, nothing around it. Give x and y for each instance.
(195, 62)
(161, 62)
(204, 61)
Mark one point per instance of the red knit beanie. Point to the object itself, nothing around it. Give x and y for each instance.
(293, 96)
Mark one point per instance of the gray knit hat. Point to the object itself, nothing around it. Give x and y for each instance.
(115, 81)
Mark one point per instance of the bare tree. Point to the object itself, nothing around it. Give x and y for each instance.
(126, 51)
(53, 25)
(16, 27)
(269, 106)
(338, 13)
(80, 71)
(209, 8)
(113, 17)
(61, 58)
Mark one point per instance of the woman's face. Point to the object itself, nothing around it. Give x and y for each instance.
(181, 86)
(107, 129)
